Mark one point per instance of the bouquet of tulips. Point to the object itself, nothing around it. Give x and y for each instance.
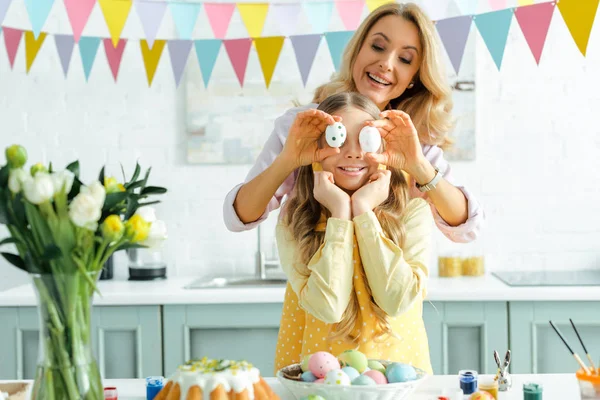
(63, 231)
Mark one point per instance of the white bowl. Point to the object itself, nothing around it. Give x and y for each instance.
(390, 391)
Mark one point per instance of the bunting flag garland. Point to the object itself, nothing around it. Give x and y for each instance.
(337, 42)
(254, 16)
(350, 12)
(151, 57)
(373, 4)
(305, 49)
(64, 48)
(184, 16)
(12, 38)
(525, 2)
(494, 27)
(319, 15)
(179, 51)
(268, 49)
(579, 17)
(78, 12)
(114, 55)
(534, 21)
(115, 14)
(38, 11)
(497, 4)
(238, 51)
(286, 16)
(219, 16)
(88, 48)
(4, 4)
(207, 52)
(151, 14)
(454, 33)
(467, 7)
(32, 46)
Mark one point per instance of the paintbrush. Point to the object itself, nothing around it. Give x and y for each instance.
(583, 345)
(586, 369)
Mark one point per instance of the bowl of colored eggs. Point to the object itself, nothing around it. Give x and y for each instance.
(349, 376)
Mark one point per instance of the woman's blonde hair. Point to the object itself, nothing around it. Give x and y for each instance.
(429, 101)
(301, 213)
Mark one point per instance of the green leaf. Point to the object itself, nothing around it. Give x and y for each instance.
(101, 176)
(112, 199)
(51, 252)
(50, 167)
(8, 241)
(148, 203)
(136, 173)
(18, 206)
(132, 206)
(132, 185)
(146, 177)
(153, 190)
(74, 168)
(15, 260)
(4, 172)
(75, 189)
(3, 206)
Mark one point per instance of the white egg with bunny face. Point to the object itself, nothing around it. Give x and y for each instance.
(335, 134)
(369, 139)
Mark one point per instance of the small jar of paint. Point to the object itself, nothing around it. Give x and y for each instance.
(110, 393)
(468, 381)
(490, 386)
(532, 391)
(154, 384)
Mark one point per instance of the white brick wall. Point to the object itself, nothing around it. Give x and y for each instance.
(537, 149)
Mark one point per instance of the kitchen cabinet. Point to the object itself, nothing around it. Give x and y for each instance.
(126, 341)
(537, 348)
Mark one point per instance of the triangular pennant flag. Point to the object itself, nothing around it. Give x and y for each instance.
(151, 14)
(454, 33)
(467, 7)
(319, 15)
(32, 47)
(337, 42)
(4, 4)
(350, 12)
(179, 51)
(78, 12)
(115, 14)
(305, 48)
(286, 15)
(254, 16)
(534, 21)
(436, 9)
(64, 47)
(579, 17)
(88, 47)
(524, 2)
(268, 49)
(12, 38)
(38, 11)
(373, 4)
(219, 16)
(151, 57)
(184, 15)
(114, 55)
(494, 27)
(497, 4)
(238, 51)
(207, 51)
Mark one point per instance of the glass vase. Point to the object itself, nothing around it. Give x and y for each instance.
(66, 368)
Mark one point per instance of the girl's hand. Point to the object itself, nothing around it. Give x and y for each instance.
(372, 194)
(330, 196)
(403, 149)
(301, 146)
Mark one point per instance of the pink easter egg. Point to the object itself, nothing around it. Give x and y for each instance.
(377, 376)
(321, 363)
(320, 380)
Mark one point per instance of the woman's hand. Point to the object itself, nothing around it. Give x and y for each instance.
(301, 146)
(372, 194)
(331, 196)
(403, 149)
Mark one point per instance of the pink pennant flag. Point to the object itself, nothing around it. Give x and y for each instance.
(79, 12)
(219, 16)
(534, 21)
(12, 38)
(497, 4)
(114, 54)
(350, 12)
(238, 51)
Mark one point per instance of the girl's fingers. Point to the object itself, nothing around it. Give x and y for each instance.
(326, 152)
(380, 158)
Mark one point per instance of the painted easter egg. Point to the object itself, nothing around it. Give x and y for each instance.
(321, 363)
(398, 372)
(377, 376)
(308, 376)
(337, 377)
(335, 134)
(363, 380)
(351, 372)
(481, 395)
(369, 139)
(376, 365)
(320, 380)
(354, 359)
(304, 363)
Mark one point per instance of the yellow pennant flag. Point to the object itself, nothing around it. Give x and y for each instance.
(254, 16)
(115, 14)
(373, 4)
(268, 49)
(32, 46)
(579, 17)
(525, 2)
(152, 57)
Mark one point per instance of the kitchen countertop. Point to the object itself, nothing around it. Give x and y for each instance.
(170, 291)
(556, 387)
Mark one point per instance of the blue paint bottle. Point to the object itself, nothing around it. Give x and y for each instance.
(154, 384)
(468, 381)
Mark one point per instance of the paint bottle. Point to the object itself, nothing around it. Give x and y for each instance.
(468, 381)
(154, 384)
(110, 393)
(532, 391)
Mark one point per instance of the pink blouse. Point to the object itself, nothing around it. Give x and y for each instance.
(463, 233)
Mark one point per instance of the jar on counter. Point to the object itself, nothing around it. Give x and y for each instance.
(473, 258)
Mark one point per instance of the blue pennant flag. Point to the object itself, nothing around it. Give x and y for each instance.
(319, 15)
(337, 42)
(185, 15)
(88, 47)
(493, 27)
(207, 52)
(38, 11)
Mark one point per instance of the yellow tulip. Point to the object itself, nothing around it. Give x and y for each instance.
(112, 228)
(112, 186)
(137, 228)
(38, 167)
(16, 156)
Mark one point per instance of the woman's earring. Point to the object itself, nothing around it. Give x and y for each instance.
(411, 85)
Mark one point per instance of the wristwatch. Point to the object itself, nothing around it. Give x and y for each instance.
(431, 185)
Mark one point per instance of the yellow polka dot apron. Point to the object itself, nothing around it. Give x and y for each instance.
(300, 333)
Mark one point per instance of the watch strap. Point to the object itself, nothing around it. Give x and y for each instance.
(432, 184)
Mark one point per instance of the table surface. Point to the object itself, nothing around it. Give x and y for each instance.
(556, 387)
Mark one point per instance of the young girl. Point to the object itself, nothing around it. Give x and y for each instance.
(355, 250)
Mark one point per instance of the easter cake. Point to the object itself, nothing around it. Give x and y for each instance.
(216, 380)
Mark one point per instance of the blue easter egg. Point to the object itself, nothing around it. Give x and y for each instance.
(308, 377)
(398, 372)
(363, 380)
(351, 372)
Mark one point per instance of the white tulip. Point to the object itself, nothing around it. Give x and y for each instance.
(96, 190)
(16, 178)
(63, 179)
(85, 211)
(156, 235)
(38, 189)
(147, 213)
